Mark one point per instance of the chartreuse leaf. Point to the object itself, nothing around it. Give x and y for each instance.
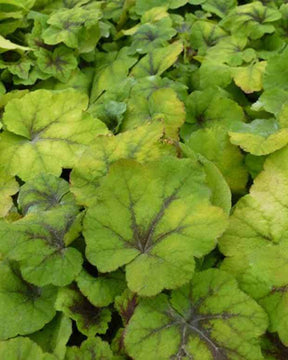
(44, 193)
(22, 348)
(60, 63)
(276, 73)
(161, 104)
(102, 290)
(265, 278)
(249, 78)
(24, 308)
(260, 218)
(157, 60)
(74, 27)
(38, 141)
(144, 5)
(126, 304)
(254, 164)
(6, 45)
(251, 20)
(151, 36)
(210, 318)
(8, 187)
(54, 336)
(214, 144)
(141, 144)
(231, 50)
(90, 320)
(221, 194)
(110, 70)
(204, 34)
(90, 349)
(260, 137)
(219, 7)
(40, 243)
(146, 230)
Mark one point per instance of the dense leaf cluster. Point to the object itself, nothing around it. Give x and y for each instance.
(143, 180)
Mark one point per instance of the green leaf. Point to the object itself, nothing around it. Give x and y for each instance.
(141, 228)
(157, 60)
(101, 291)
(38, 141)
(20, 348)
(272, 348)
(208, 319)
(90, 349)
(276, 73)
(111, 69)
(126, 304)
(144, 5)
(60, 63)
(213, 143)
(251, 20)
(204, 34)
(141, 144)
(54, 336)
(44, 193)
(221, 194)
(90, 320)
(150, 36)
(163, 104)
(8, 187)
(74, 27)
(219, 7)
(260, 137)
(40, 243)
(6, 45)
(24, 308)
(249, 78)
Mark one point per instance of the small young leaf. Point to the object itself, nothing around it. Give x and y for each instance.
(90, 349)
(90, 320)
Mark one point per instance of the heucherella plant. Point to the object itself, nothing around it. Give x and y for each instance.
(143, 180)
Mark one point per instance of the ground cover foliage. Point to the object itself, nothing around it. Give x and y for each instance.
(143, 180)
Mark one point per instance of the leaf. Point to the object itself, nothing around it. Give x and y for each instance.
(8, 187)
(272, 348)
(39, 242)
(6, 45)
(162, 104)
(259, 219)
(44, 192)
(221, 194)
(24, 308)
(111, 69)
(276, 73)
(196, 321)
(72, 27)
(214, 145)
(145, 228)
(54, 336)
(20, 348)
(249, 78)
(260, 137)
(204, 34)
(150, 36)
(60, 63)
(142, 6)
(251, 20)
(219, 7)
(126, 303)
(141, 144)
(38, 141)
(157, 60)
(101, 291)
(91, 349)
(90, 320)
